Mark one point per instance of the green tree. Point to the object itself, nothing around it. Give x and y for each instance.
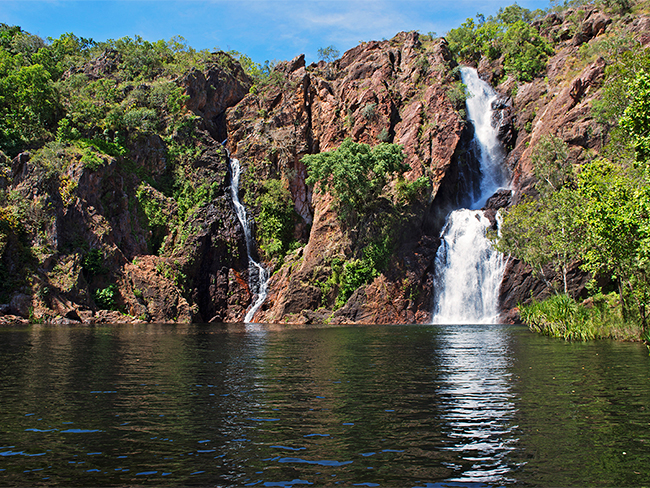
(545, 233)
(635, 120)
(525, 51)
(276, 221)
(551, 166)
(328, 54)
(615, 214)
(355, 174)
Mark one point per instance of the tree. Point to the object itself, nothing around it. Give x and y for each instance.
(616, 202)
(277, 218)
(636, 116)
(546, 232)
(328, 54)
(551, 166)
(355, 173)
(525, 51)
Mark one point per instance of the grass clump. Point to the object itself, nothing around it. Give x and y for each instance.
(598, 317)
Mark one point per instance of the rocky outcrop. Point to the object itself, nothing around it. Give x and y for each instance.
(559, 105)
(112, 241)
(393, 91)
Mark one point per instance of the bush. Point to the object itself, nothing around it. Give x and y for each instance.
(409, 192)
(356, 273)
(355, 174)
(525, 51)
(105, 298)
(276, 221)
(509, 34)
(561, 316)
(93, 262)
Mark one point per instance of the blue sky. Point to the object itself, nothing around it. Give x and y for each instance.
(262, 29)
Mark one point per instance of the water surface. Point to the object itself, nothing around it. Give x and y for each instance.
(461, 405)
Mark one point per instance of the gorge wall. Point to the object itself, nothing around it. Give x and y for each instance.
(180, 256)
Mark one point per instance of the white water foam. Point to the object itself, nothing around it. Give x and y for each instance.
(258, 276)
(468, 269)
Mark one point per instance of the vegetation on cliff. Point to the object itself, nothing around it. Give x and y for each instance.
(594, 214)
(115, 189)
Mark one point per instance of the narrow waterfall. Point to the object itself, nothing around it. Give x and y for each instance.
(258, 276)
(468, 269)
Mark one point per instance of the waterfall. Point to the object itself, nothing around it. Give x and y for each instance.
(468, 269)
(258, 276)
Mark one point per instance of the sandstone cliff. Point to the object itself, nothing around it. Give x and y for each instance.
(390, 91)
(151, 234)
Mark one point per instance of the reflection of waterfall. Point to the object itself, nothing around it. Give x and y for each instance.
(258, 276)
(468, 270)
(478, 406)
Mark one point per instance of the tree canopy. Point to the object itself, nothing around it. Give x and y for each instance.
(355, 173)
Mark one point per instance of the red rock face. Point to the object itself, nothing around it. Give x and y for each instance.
(393, 91)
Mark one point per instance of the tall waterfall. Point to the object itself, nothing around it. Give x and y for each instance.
(468, 269)
(258, 276)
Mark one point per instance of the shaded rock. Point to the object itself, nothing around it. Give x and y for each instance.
(20, 305)
(503, 119)
(501, 199)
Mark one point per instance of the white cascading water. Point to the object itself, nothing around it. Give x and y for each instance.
(468, 269)
(258, 276)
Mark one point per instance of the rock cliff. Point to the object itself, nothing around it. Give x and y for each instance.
(390, 91)
(151, 234)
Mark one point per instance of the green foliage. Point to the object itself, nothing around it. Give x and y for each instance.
(525, 51)
(276, 221)
(189, 198)
(355, 174)
(621, 77)
(544, 233)
(105, 298)
(28, 103)
(510, 34)
(551, 166)
(409, 192)
(547, 232)
(636, 116)
(91, 159)
(356, 273)
(328, 54)
(457, 94)
(93, 263)
(368, 111)
(561, 316)
(617, 240)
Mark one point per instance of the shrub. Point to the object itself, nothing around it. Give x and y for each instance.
(276, 220)
(525, 51)
(457, 95)
(368, 112)
(409, 192)
(105, 298)
(356, 272)
(355, 174)
(561, 316)
(93, 262)
(91, 159)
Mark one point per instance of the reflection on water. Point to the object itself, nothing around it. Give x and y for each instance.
(477, 401)
(237, 405)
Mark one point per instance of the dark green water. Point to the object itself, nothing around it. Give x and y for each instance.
(402, 406)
